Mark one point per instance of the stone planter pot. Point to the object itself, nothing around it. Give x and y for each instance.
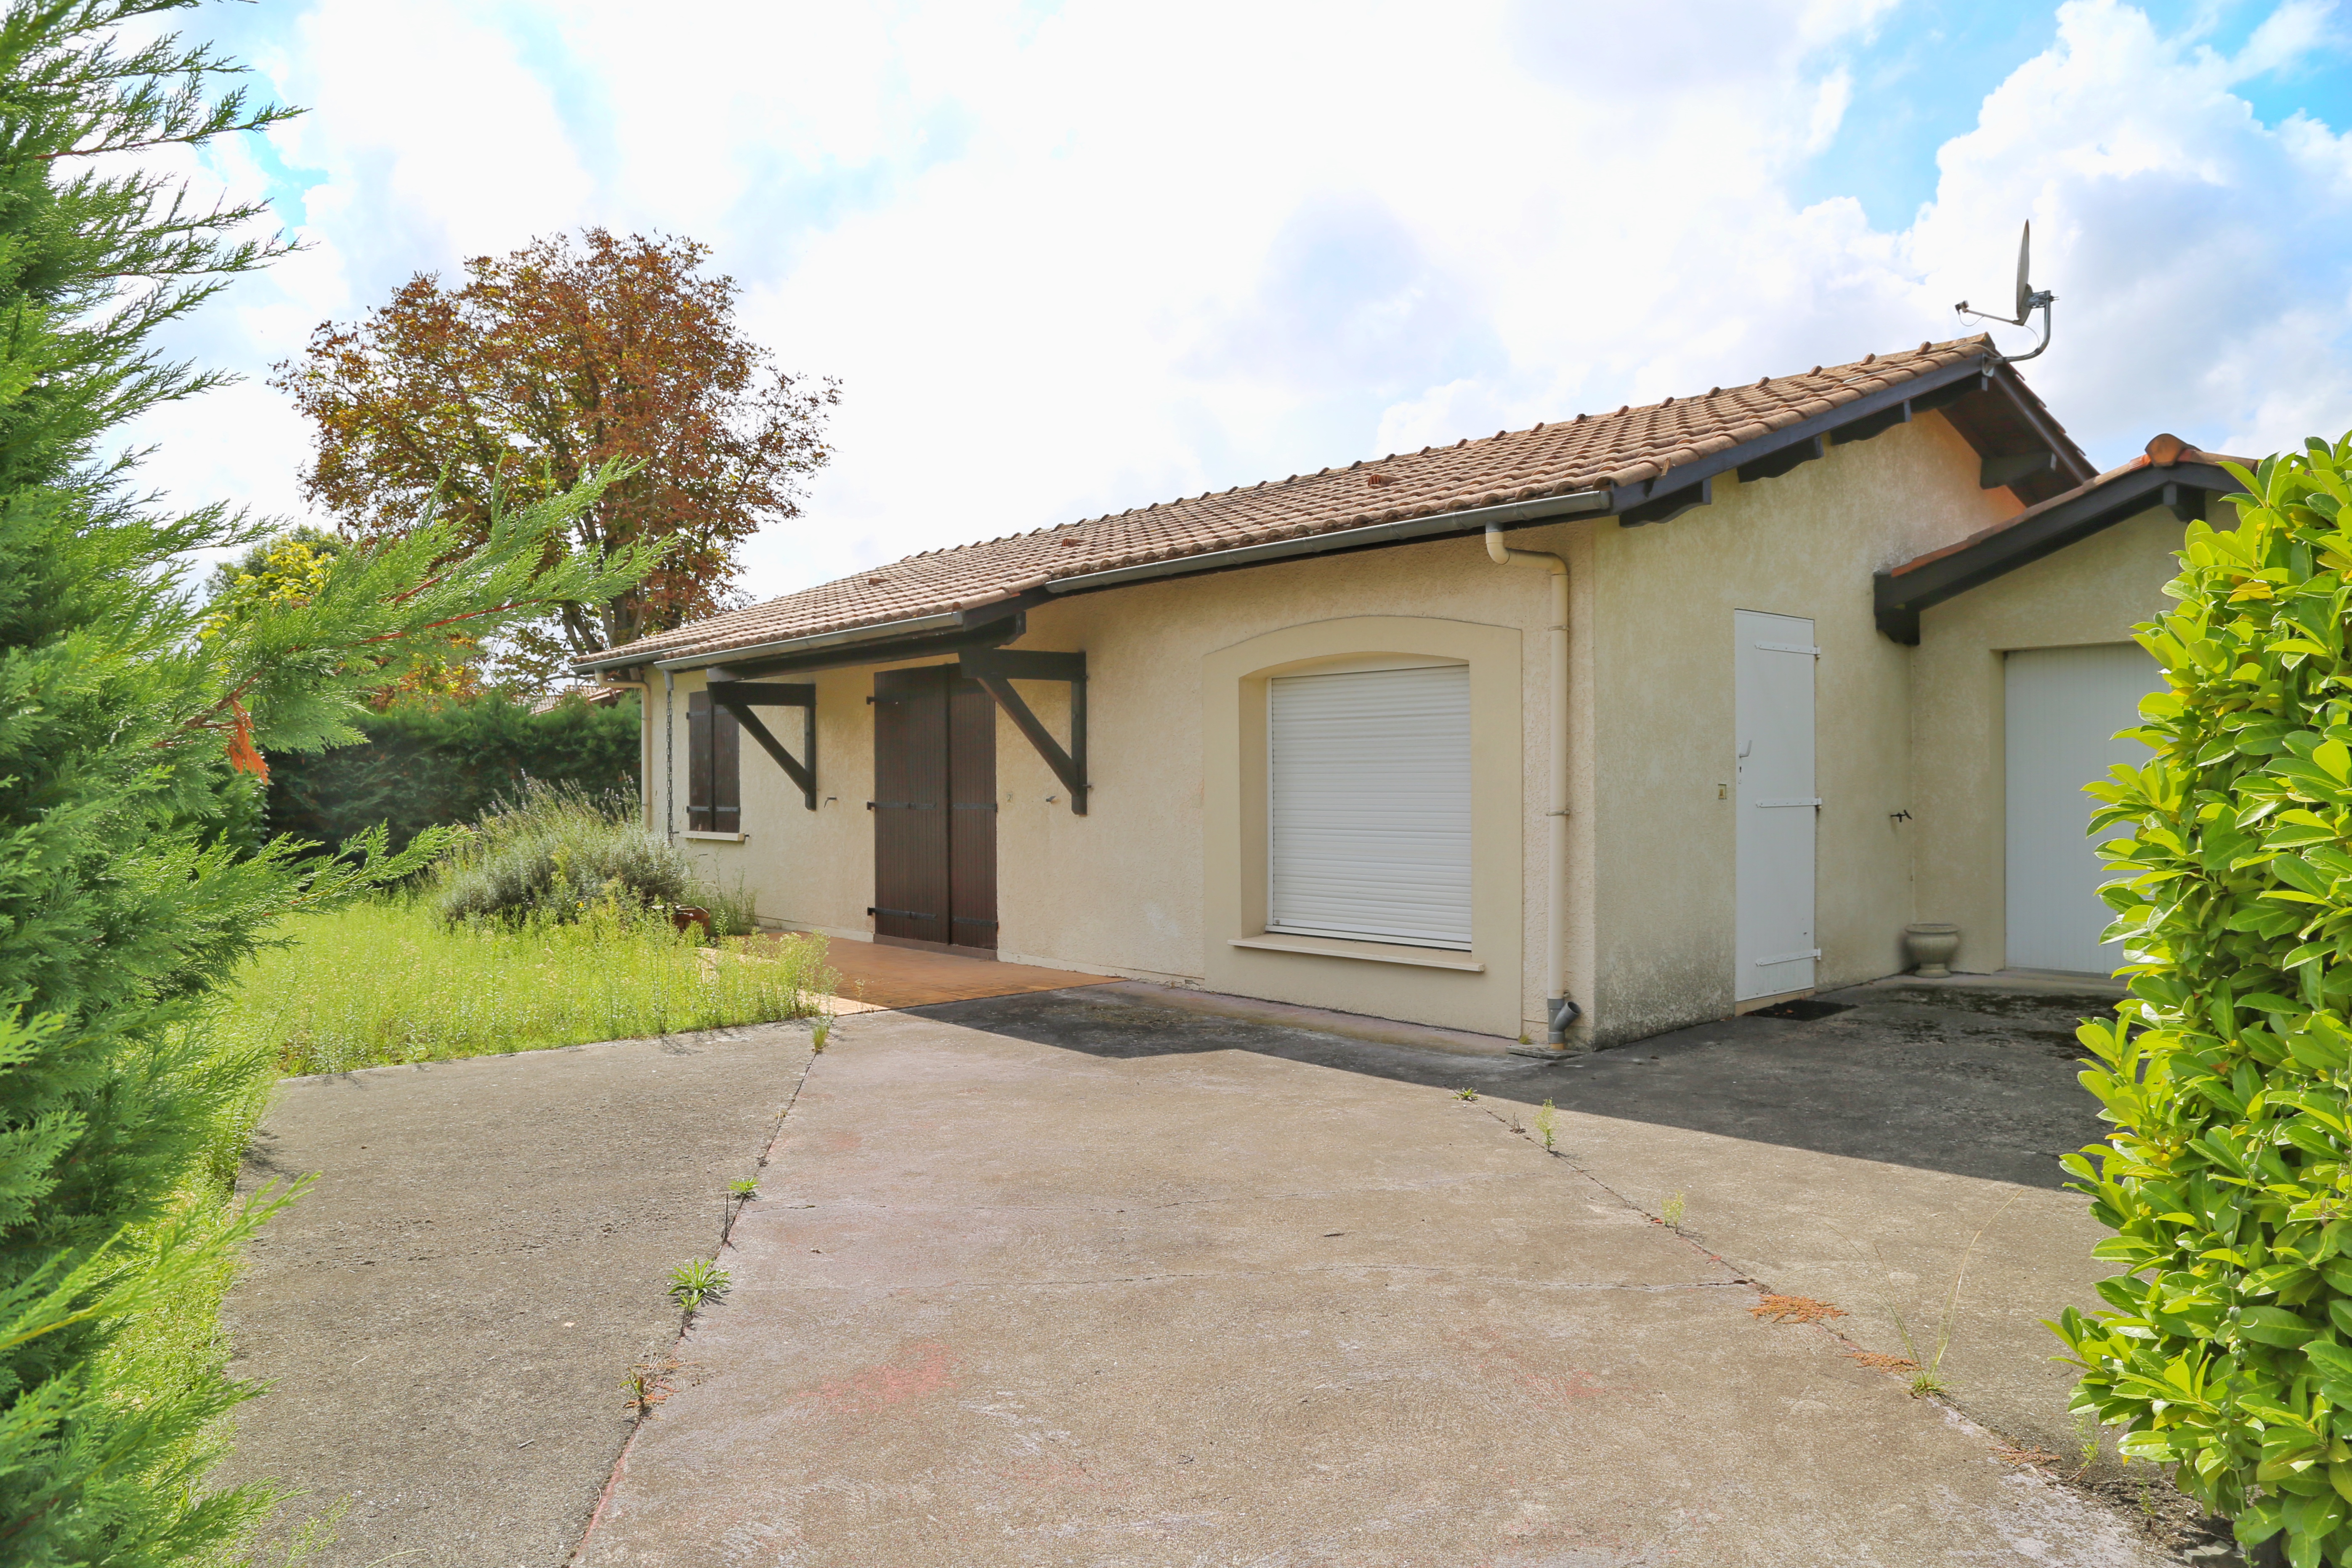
(1931, 947)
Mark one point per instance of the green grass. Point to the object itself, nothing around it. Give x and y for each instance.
(388, 983)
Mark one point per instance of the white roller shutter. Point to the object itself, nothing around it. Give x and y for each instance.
(1369, 815)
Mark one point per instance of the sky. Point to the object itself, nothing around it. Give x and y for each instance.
(1072, 259)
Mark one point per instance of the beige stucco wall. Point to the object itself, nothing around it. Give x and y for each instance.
(1121, 889)
(1151, 883)
(2091, 592)
(1658, 652)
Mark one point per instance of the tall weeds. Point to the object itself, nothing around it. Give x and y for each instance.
(392, 982)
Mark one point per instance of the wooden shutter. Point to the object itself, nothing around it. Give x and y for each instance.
(911, 805)
(697, 762)
(1368, 807)
(714, 757)
(972, 814)
(726, 771)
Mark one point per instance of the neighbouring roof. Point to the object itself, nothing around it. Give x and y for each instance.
(1641, 463)
(594, 696)
(2170, 473)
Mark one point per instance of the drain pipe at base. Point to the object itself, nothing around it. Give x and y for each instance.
(1559, 1011)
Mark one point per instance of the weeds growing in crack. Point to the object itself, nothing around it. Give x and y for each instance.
(1466, 1094)
(1547, 1124)
(730, 1208)
(2086, 1442)
(1927, 1376)
(695, 1280)
(1670, 1214)
(648, 1383)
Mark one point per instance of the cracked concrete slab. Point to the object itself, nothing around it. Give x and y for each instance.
(1075, 1280)
(446, 1317)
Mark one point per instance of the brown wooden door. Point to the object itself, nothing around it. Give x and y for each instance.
(934, 809)
(972, 814)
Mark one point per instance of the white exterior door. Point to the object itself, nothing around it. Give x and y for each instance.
(1367, 804)
(1777, 807)
(2064, 708)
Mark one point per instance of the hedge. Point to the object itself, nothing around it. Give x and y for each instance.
(425, 765)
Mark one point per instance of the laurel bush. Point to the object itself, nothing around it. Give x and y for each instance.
(2226, 1347)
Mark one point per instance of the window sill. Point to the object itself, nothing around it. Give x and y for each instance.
(718, 838)
(1367, 951)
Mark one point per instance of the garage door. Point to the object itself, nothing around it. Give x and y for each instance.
(2064, 706)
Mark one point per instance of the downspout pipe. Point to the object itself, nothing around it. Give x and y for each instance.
(669, 759)
(1559, 1010)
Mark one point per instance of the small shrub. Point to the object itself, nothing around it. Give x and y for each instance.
(2226, 1347)
(555, 851)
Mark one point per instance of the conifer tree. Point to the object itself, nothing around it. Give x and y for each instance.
(120, 718)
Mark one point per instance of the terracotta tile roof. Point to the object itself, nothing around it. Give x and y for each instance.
(1586, 453)
(2166, 451)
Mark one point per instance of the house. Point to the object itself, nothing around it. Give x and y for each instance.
(1571, 734)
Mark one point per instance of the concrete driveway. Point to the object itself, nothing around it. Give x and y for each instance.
(1074, 1279)
(447, 1318)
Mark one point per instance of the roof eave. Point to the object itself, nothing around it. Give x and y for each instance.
(1902, 592)
(1406, 531)
(878, 632)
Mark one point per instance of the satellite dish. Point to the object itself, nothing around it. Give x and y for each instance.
(2024, 260)
(2029, 299)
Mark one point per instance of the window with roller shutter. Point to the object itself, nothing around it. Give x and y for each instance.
(1368, 805)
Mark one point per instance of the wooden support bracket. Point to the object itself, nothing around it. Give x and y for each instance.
(744, 698)
(997, 668)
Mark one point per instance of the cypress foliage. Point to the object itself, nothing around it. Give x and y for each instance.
(123, 899)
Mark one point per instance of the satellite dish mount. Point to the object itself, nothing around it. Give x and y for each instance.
(2029, 299)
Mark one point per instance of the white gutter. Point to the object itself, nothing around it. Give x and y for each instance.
(1559, 1010)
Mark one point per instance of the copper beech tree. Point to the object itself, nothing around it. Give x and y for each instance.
(537, 369)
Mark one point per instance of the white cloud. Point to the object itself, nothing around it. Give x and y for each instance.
(2198, 257)
(1076, 259)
